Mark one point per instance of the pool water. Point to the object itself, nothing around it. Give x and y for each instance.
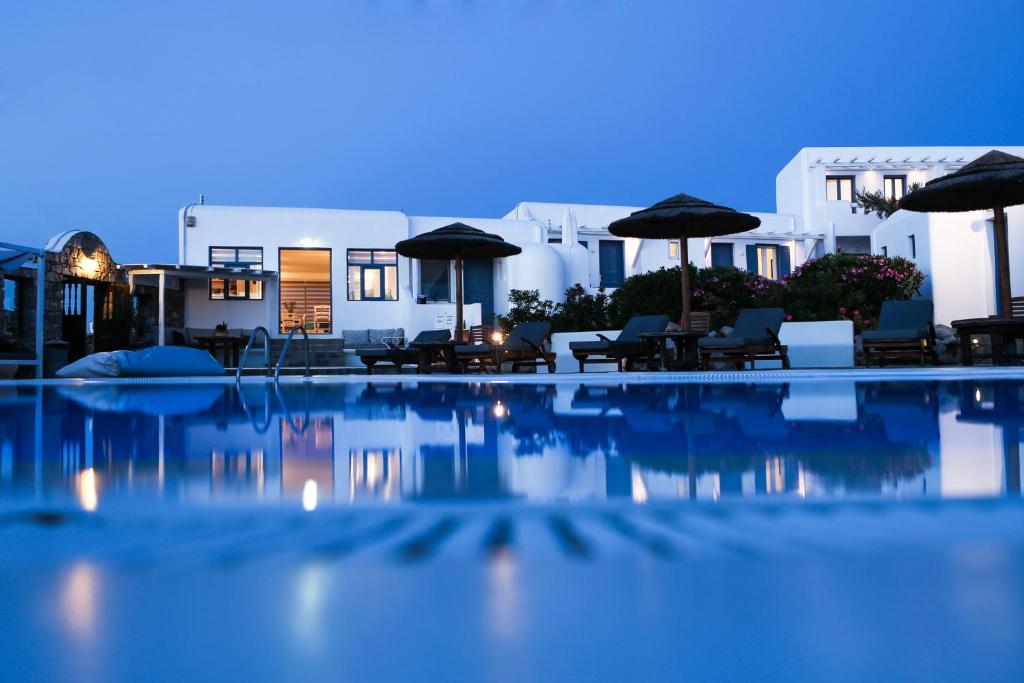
(313, 445)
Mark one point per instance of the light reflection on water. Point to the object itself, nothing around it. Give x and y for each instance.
(312, 445)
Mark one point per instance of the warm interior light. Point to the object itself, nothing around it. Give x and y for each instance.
(497, 337)
(309, 496)
(87, 494)
(977, 395)
(499, 409)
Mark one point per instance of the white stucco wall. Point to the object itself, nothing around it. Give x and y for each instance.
(955, 251)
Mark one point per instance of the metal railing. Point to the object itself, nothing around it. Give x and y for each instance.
(284, 350)
(248, 347)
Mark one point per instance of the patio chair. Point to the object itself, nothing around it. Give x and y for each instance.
(321, 317)
(754, 337)
(906, 329)
(625, 349)
(396, 355)
(524, 347)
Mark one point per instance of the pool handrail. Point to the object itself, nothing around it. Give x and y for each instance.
(284, 350)
(248, 347)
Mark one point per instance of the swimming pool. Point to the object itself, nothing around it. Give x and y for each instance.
(308, 445)
(845, 527)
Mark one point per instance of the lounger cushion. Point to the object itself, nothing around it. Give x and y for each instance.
(432, 336)
(374, 353)
(904, 334)
(640, 324)
(724, 342)
(355, 338)
(752, 322)
(600, 346)
(474, 349)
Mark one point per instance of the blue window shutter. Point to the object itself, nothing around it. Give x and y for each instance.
(721, 254)
(752, 258)
(784, 262)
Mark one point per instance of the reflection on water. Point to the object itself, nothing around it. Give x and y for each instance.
(311, 445)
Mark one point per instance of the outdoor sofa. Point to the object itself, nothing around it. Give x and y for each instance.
(526, 346)
(754, 337)
(906, 329)
(625, 349)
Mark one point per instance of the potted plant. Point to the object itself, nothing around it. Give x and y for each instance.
(221, 330)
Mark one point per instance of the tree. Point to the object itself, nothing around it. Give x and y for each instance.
(877, 203)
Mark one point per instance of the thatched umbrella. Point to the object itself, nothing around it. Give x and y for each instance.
(992, 181)
(682, 217)
(456, 241)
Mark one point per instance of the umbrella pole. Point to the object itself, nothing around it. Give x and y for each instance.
(684, 269)
(1002, 261)
(458, 297)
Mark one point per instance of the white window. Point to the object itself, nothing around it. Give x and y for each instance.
(236, 257)
(372, 275)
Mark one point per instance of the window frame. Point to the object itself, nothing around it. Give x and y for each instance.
(330, 285)
(901, 178)
(853, 187)
(448, 281)
(372, 265)
(247, 296)
(912, 244)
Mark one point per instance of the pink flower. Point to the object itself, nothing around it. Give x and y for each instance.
(842, 310)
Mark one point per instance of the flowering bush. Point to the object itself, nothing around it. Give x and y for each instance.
(834, 287)
(720, 291)
(849, 287)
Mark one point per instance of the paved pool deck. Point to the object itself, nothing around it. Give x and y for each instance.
(849, 591)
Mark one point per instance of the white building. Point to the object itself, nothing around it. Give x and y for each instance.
(337, 269)
(954, 251)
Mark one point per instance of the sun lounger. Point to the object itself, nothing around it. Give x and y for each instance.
(754, 337)
(906, 329)
(625, 349)
(395, 355)
(524, 347)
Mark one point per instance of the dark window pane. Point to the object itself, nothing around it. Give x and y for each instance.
(434, 280)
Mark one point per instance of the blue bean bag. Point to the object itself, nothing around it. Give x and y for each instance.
(156, 361)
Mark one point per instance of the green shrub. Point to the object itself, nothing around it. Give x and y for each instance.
(849, 287)
(721, 291)
(580, 312)
(834, 287)
(526, 307)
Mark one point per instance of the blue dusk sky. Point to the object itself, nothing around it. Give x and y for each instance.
(115, 114)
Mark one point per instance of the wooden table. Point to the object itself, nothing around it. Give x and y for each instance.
(1000, 330)
(229, 348)
(429, 349)
(682, 339)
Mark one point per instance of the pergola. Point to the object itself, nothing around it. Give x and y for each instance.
(161, 271)
(12, 257)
